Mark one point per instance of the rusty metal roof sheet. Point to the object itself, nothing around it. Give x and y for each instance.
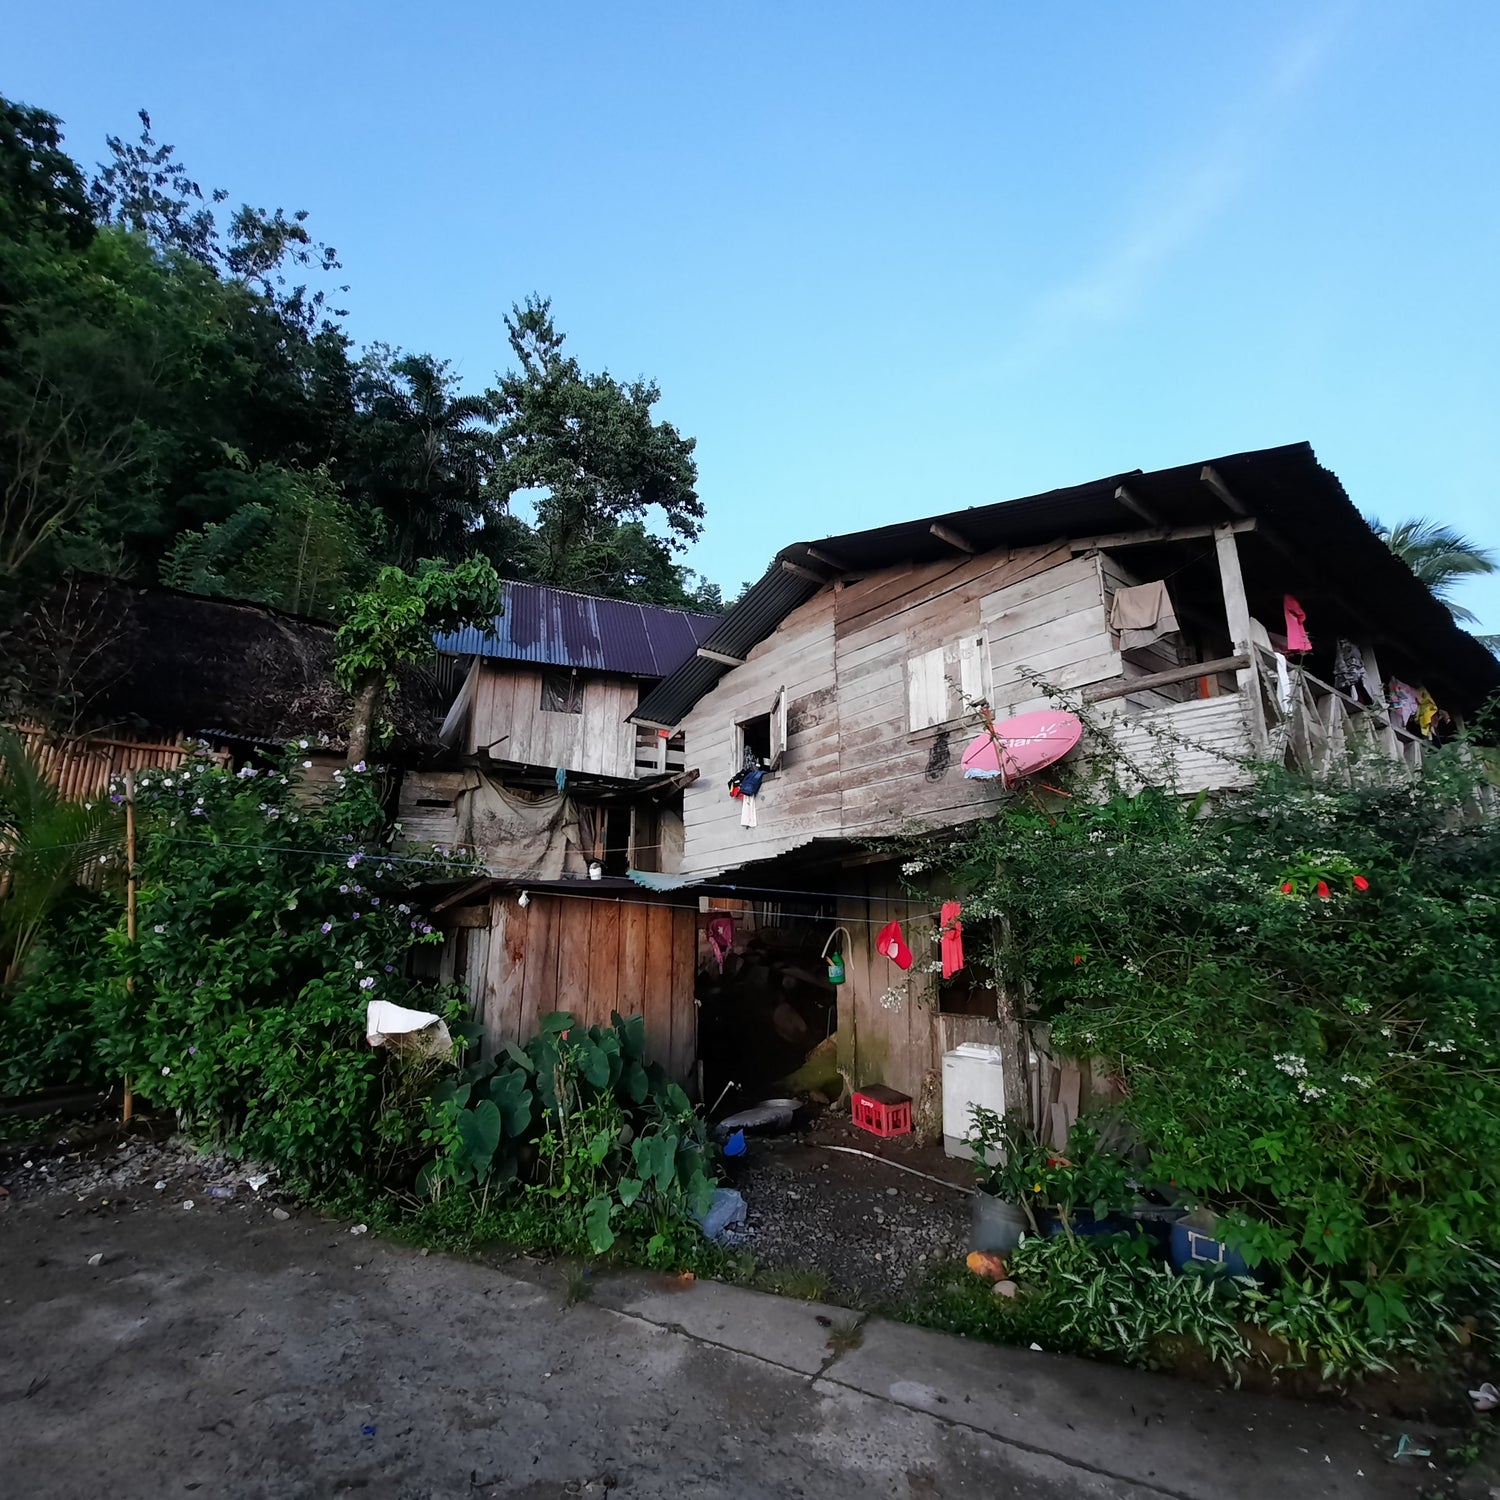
(556, 628)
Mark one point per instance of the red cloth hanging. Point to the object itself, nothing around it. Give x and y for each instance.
(953, 939)
(889, 942)
(1296, 625)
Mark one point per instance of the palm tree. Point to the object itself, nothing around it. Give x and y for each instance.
(45, 841)
(1442, 558)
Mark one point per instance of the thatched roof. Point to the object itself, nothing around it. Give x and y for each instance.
(104, 655)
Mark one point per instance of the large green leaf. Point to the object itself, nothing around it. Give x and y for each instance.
(557, 1022)
(596, 1219)
(593, 1062)
(633, 1082)
(479, 1130)
(630, 1189)
(632, 1034)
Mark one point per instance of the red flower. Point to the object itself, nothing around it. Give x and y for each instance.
(1323, 889)
(1077, 959)
(1360, 883)
(1286, 887)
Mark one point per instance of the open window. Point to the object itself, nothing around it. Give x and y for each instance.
(562, 693)
(760, 741)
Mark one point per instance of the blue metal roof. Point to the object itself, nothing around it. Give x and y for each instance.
(556, 628)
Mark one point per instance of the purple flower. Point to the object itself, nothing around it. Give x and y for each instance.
(343, 890)
(192, 1052)
(368, 982)
(389, 969)
(356, 916)
(328, 927)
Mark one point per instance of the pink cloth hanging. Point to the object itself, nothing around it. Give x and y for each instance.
(953, 939)
(1296, 625)
(720, 933)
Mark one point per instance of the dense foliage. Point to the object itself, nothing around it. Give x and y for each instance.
(579, 1121)
(179, 402)
(268, 916)
(1298, 989)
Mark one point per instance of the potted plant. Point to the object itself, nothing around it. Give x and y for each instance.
(1007, 1161)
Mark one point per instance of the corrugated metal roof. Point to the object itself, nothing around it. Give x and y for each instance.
(556, 628)
(1326, 549)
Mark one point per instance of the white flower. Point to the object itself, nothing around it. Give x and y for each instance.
(160, 927)
(165, 1071)
(302, 744)
(368, 982)
(914, 867)
(307, 765)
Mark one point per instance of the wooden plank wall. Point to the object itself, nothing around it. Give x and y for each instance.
(890, 621)
(1050, 625)
(802, 799)
(592, 955)
(887, 1019)
(508, 722)
(1195, 745)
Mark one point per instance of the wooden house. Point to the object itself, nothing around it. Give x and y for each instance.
(545, 778)
(851, 674)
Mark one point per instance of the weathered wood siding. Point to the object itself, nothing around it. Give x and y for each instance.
(508, 723)
(911, 645)
(887, 1018)
(589, 955)
(1201, 744)
(801, 800)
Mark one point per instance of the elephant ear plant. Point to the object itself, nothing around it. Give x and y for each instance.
(577, 1119)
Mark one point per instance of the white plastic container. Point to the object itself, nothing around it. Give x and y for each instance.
(972, 1074)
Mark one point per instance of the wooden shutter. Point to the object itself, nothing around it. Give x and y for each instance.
(778, 728)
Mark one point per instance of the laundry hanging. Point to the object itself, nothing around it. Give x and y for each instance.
(1402, 698)
(890, 942)
(720, 933)
(1142, 615)
(953, 939)
(1283, 683)
(1427, 711)
(1297, 638)
(1348, 667)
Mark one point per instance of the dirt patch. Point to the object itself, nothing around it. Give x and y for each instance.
(871, 1231)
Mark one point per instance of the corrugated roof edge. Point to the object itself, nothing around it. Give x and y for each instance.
(799, 570)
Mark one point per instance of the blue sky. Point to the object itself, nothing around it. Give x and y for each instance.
(887, 259)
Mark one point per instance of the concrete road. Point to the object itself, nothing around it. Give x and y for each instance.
(219, 1352)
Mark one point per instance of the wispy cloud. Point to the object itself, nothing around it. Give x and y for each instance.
(1179, 208)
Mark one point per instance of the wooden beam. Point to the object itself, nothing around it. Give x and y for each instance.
(802, 572)
(650, 724)
(1102, 691)
(1237, 613)
(1138, 507)
(1210, 477)
(953, 539)
(729, 661)
(828, 559)
(1115, 539)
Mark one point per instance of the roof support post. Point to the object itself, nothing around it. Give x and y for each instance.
(953, 538)
(1237, 612)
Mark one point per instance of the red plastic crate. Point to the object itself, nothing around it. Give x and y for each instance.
(881, 1111)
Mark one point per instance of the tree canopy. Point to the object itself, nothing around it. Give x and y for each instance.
(180, 403)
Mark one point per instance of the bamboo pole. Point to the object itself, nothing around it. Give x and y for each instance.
(128, 1108)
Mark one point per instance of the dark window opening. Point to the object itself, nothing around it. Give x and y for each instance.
(755, 740)
(562, 693)
(617, 841)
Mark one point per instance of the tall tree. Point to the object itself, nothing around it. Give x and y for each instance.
(421, 451)
(586, 448)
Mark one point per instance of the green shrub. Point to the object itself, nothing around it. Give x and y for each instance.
(578, 1120)
(49, 1029)
(268, 917)
(1299, 990)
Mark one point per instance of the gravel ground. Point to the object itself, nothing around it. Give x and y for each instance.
(873, 1231)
